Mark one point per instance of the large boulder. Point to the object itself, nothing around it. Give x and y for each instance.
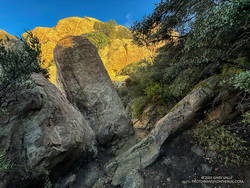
(89, 87)
(40, 129)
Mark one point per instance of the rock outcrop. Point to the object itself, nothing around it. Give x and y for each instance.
(40, 129)
(89, 87)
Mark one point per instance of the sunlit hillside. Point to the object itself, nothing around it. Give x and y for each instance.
(113, 41)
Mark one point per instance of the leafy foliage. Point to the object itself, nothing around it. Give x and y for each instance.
(112, 30)
(207, 30)
(202, 38)
(138, 106)
(222, 32)
(154, 90)
(242, 81)
(231, 149)
(167, 16)
(163, 83)
(133, 67)
(107, 28)
(99, 39)
(17, 65)
(5, 164)
(246, 117)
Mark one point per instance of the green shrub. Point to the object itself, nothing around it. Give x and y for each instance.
(5, 164)
(107, 28)
(147, 79)
(99, 39)
(113, 31)
(140, 77)
(133, 68)
(170, 73)
(246, 117)
(17, 65)
(154, 91)
(122, 91)
(137, 106)
(123, 33)
(242, 81)
(231, 149)
(111, 23)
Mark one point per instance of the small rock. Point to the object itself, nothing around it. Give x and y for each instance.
(134, 180)
(197, 150)
(101, 183)
(65, 182)
(168, 179)
(70, 180)
(216, 169)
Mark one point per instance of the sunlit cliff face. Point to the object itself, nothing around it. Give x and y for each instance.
(116, 55)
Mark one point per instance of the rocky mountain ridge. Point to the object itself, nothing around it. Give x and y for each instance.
(118, 53)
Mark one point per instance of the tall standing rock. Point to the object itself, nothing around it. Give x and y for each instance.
(88, 86)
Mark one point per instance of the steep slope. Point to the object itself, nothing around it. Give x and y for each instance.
(119, 52)
(4, 35)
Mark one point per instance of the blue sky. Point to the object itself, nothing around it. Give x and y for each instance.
(17, 16)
